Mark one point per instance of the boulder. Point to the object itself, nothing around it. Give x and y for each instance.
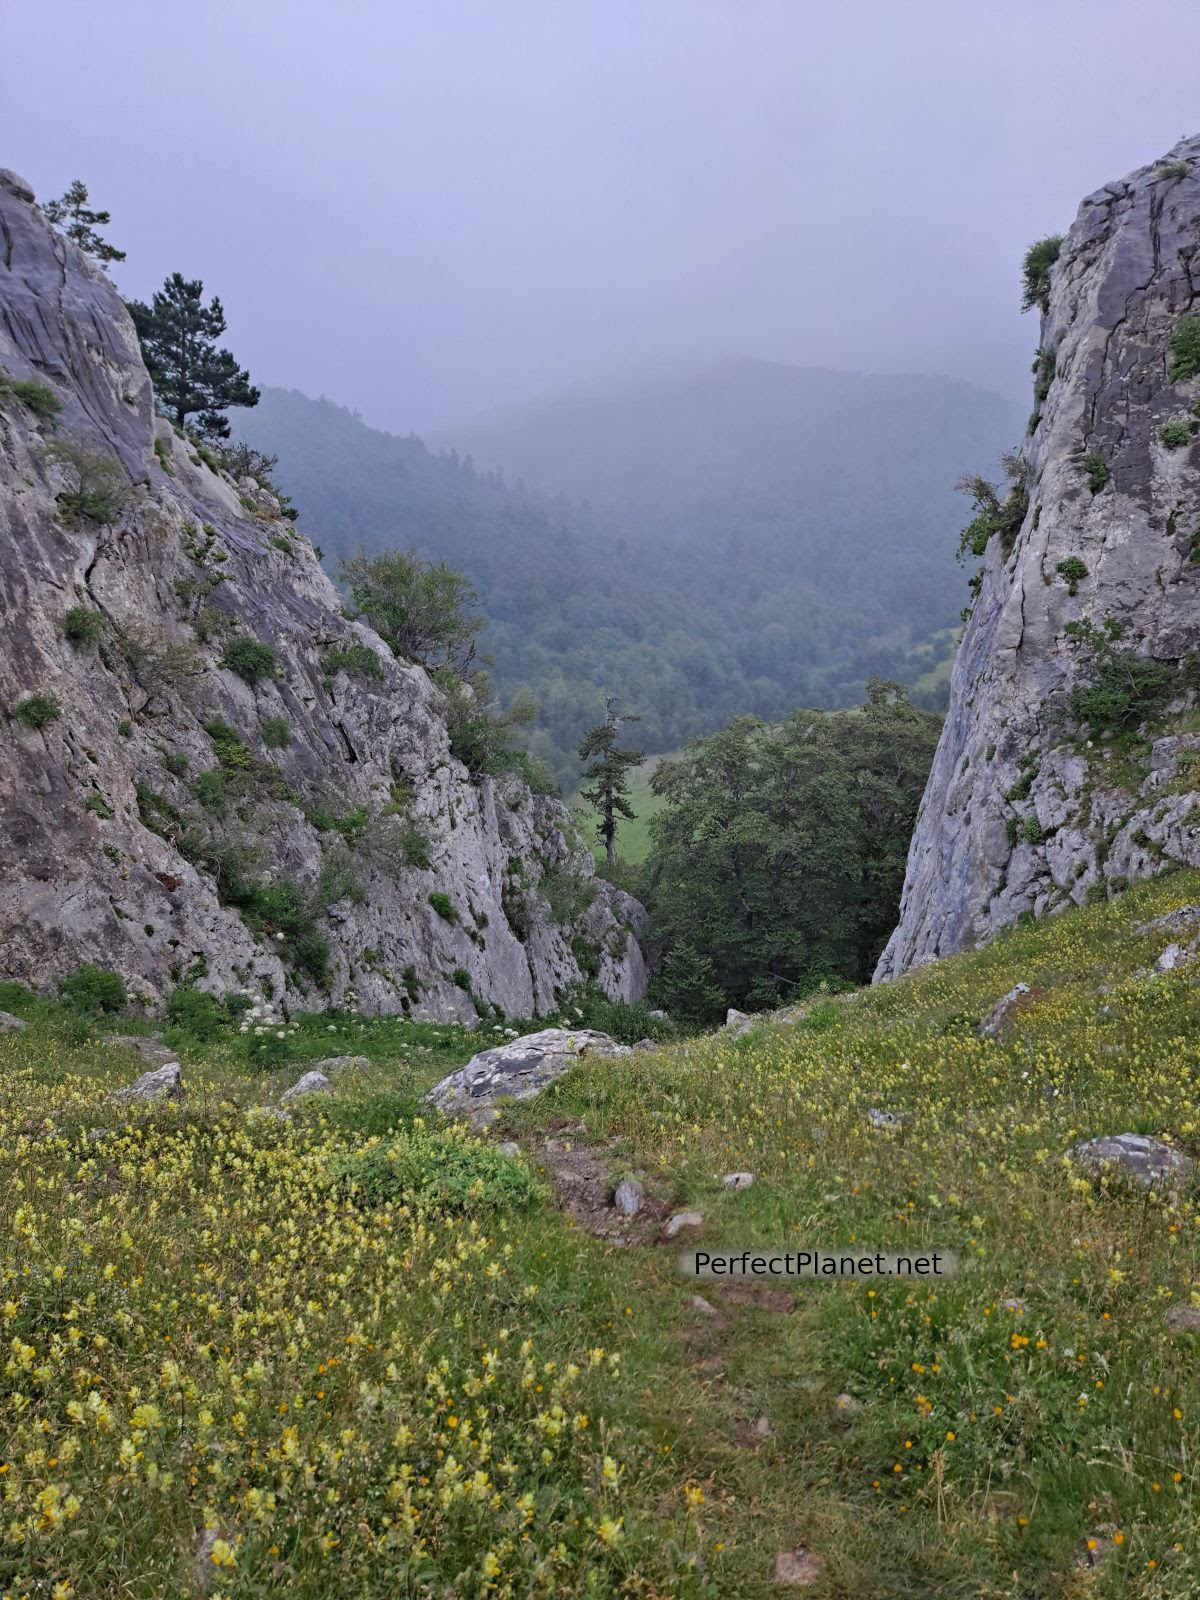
(629, 1197)
(163, 1083)
(310, 1083)
(520, 1068)
(332, 1065)
(149, 1046)
(737, 1180)
(1148, 1162)
(9, 1023)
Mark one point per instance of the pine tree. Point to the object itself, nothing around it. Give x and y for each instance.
(192, 377)
(609, 775)
(72, 214)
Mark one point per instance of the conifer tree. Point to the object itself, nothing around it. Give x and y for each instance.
(609, 775)
(192, 377)
(79, 222)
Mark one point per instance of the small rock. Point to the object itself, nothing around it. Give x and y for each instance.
(884, 1119)
(701, 1306)
(645, 1044)
(484, 1118)
(165, 1083)
(9, 1023)
(738, 1180)
(629, 1197)
(993, 1023)
(659, 1016)
(310, 1083)
(1184, 1319)
(734, 1015)
(1173, 956)
(682, 1220)
(1148, 1162)
(332, 1065)
(203, 1565)
(509, 1148)
(796, 1569)
(846, 1404)
(762, 1427)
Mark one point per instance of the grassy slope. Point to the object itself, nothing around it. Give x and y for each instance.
(201, 1329)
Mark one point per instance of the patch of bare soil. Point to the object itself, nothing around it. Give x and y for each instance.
(584, 1182)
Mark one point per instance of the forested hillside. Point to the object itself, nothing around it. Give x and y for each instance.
(750, 539)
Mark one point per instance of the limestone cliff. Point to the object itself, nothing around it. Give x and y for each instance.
(1069, 763)
(179, 803)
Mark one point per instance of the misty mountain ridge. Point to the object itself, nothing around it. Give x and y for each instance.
(743, 537)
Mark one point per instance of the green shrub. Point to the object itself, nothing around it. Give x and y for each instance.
(1073, 570)
(357, 658)
(196, 1015)
(1175, 434)
(101, 486)
(82, 624)
(175, 762)
(1096, 469)
(92, 990)
(98, 806)
(993, 515)
(566, 893)
(1044, 370)
(227, 745)
(1125, 689)
(163, 451)
(462, 978)
(1185, 348)
(623, 1020)
(209, 788)
(34, 395)
(1171, 169)
(444, 1169)
(275, 732)
(1039, 258)
(443, 905)
(250, 659)
(36, 710)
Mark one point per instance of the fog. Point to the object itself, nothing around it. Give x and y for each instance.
(430, 208)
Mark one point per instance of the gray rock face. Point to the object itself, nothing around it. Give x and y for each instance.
(517, 1071)
(164, 1083)
(1019, 814)
(106, 853)
(310, 1083)
(1148, 1162)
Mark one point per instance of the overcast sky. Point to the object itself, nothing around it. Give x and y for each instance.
(427, 208)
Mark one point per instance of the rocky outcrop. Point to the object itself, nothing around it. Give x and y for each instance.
(207, 773)
(1041, 797)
